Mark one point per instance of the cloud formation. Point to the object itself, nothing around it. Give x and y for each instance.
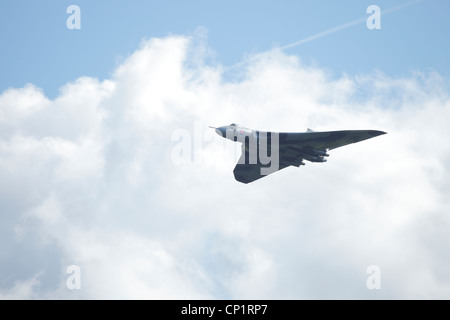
(89, 179)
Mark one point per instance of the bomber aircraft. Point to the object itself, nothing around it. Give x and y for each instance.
(265, 152)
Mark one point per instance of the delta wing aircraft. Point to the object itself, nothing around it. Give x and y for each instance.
(265, 152)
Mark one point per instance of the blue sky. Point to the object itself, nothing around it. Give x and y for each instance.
(38, 48)
(92, 122)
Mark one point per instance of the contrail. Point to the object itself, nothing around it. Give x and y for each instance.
(323, 34)
(333, 30)
(345, 26)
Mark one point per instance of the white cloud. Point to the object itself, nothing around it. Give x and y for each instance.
(21, 290)
(91, 172)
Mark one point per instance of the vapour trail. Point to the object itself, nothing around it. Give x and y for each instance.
(332, 30)
(345, 26)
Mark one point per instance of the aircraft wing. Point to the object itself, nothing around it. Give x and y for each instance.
(245, 172)
(326, 140)
(295, 147)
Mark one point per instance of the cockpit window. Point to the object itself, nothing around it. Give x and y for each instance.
(233, 125)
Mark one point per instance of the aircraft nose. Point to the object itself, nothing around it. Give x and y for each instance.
(220, 132)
